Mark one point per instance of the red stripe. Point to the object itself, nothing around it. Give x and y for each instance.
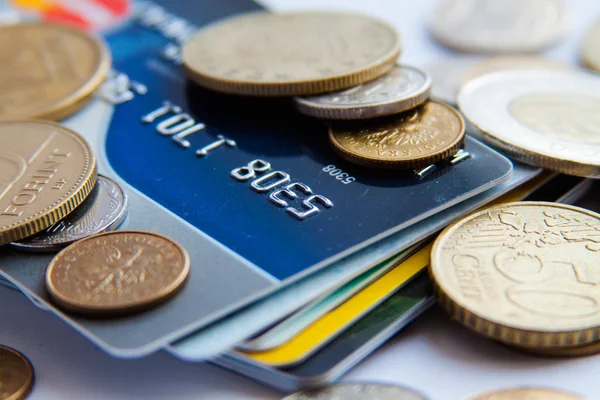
(116, 7)
(60, 15)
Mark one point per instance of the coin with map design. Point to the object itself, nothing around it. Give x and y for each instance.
(525, 274)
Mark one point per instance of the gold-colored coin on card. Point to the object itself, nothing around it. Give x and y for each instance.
(117, 272)
(412, 139)
(48, 71)
(16, 374)
(525, 274)
(46, 170)
(289, 54)
(527, 394)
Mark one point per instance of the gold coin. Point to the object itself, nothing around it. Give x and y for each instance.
(564, 352)
(589, 53)
(527, 394)
(416, 138)
(289, 54)
(525, 274)
(48, 71)
(46, 170)
(16, 375)
(502, 63)
(117, 272)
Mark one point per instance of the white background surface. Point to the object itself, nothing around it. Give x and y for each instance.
(434, 355)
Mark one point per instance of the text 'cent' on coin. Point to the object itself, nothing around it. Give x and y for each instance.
(48, 71)
(289, 54)
(103, 210)
(417, 138)
(46, 171)
(117, 272)
(401, 89)
(523, 274)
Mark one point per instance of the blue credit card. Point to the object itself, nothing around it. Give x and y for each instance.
(249, 186)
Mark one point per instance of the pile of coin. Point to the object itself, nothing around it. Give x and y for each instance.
(51, 194)
(345, 68)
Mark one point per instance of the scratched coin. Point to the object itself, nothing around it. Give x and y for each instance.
(508, 26)
(589, 52)
(420, 137)
(548, 119)
(525, 274)
(16, 374)
(48, 71)
(357, 391)
(46, 171)
(117, 272)
(403, 88)
(527, 394)
(288, 54)
(103, 210)
(446, 75)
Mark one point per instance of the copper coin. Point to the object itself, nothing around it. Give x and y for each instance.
(16, 375)
(117, 272)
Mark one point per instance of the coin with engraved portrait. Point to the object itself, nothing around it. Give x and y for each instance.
(357, 391)
(48, 71)
(46, 171)
(117, 272)
(548, 119)
(527, 394)
(401, 89)
(288, 54)
(491, 26)
(103, 210)
(417, 138)
(16, 374)
(525, 274)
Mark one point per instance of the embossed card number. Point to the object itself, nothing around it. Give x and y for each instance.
(278, 183)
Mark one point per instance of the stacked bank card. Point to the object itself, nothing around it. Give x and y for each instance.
(176, 149)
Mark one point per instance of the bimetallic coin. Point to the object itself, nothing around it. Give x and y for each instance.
(48, 71)
(266, 54)
(16, 375)
(103, 210)
(357, 391)
(490, 26)
(525, 274)
(589, 53)
(504, 63)
(401, 89)
(548, 119)
(416, 138)
(446, 75)
(46, 171)
(527, 394)
(117, 272)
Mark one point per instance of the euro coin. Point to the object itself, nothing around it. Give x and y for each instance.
(16, 374)
(288, 54)
(117, 272)
(103, 210)
(46, 171)
(420, 137)
(357, 391)
(543, 118)
(589, 53)
(523, 273)
(48, 71)
(527, 394)
(490, 26)
(401, 89)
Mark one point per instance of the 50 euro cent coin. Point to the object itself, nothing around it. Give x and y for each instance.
(46, 171)
(525, 274)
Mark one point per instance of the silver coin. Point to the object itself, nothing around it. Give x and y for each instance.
(447, 74)
(507, 26)
(401, 89)
(357, 391)
(103, 210)
(544, 118)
